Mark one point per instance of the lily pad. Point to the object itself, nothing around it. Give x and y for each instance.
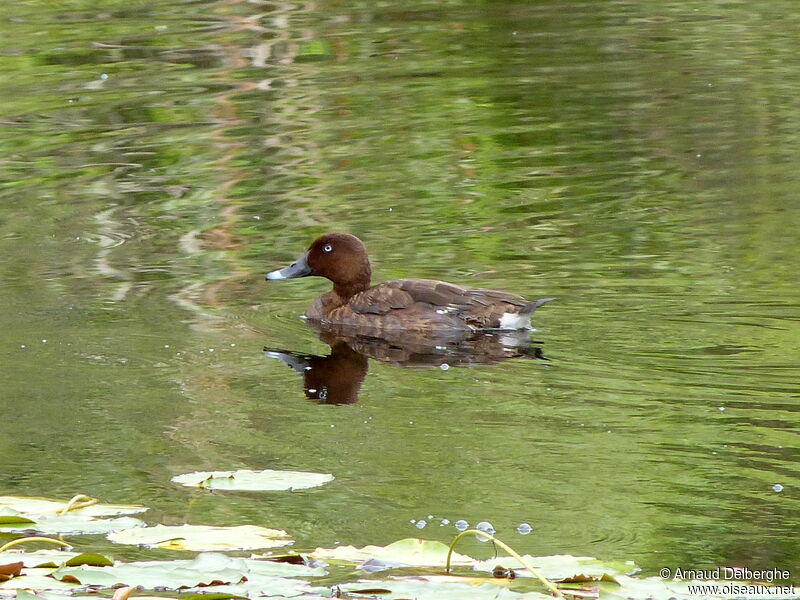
(35, 579)
(9, 570)
(261, 585)
(71, 524)
(31, 507)
(213, 571)
(655, 588)
(410, 552)
(39, 558)
(203, 537)
(245, 480)
(11, 517)
(561, 567)
(421, 588)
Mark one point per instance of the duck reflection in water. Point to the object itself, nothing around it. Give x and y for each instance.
(337, 377)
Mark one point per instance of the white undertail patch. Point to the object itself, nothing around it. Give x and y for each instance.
(515, 321)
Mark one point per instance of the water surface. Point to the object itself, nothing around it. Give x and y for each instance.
(635, 162)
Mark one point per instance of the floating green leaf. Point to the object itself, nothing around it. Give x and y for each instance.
(207, 568)
(245, 480)
(72, 524)
(39, 558)
(96, 560)
(410, 552)
(203, 537)
(32, 507)
(561, 567)
(262, 585)
(9, 516)
(422, 588)
(34, 579)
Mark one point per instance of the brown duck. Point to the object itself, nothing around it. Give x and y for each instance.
(420, 305)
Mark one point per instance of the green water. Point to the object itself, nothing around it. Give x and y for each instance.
(635, 160)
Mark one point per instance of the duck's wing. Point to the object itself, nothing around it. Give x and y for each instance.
(479, 308)
(446, 304)
(381, 299)
(418, 293)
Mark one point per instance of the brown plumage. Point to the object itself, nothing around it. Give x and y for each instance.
(421, 305)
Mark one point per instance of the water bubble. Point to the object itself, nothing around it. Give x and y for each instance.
(430, 517)
(421, 524)
(210, 349)
(166, 345)
(411, 422)
(444, 366)
(104, 76)
(445, 522)
(461, 525)
(233, 345)
(777, 487)
(332, 425)
(524, 529)
(44, 341)
(721, 409)
(256, 217)
(412, 521)
(486, 527)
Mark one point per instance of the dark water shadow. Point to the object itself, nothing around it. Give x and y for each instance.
(337, 377)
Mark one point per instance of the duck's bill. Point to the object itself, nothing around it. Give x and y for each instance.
(298, 268)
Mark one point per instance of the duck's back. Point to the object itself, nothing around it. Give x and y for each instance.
(425, 304)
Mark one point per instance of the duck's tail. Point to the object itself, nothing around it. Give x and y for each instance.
(531, 307)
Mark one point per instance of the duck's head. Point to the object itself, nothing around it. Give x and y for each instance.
(339, 257)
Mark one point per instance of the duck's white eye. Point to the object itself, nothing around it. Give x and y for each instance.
(327, 247)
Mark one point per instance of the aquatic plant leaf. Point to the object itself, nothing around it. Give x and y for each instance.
(262, 585)
(34, 579)
(202, 596)
(31, 507)
(73, 524)
(245, 480)
(409, 552)
(561, 567)
(203, 537)
(656, 588)
(213, 572)
(39, 558)
(96, 560)
(9, 570)
(9, 516)
(203, 570)
(268, 568)
(422, 588)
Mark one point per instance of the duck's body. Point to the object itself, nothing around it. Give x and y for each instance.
(421, 305)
